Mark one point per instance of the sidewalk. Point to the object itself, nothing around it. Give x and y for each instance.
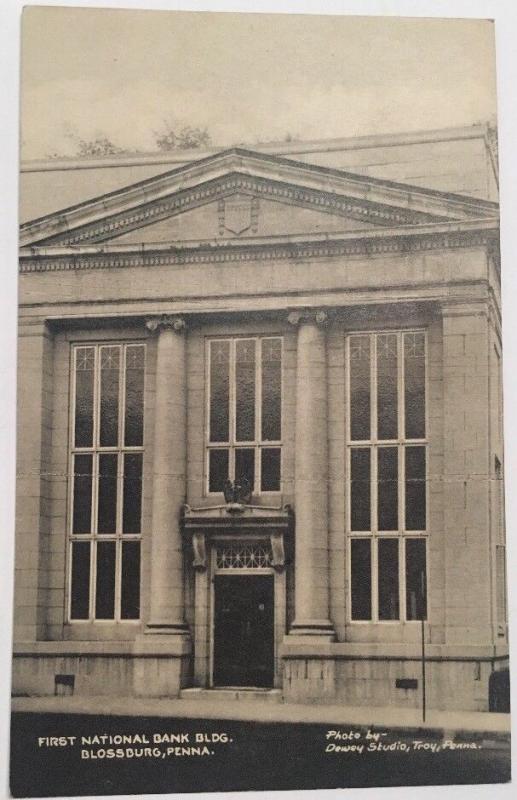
(438, 723)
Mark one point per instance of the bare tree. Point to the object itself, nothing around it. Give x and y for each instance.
(184, 138)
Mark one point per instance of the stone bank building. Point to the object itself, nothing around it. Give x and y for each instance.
(260, 423)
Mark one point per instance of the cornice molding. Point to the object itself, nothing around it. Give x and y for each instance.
(240, 251)
(492, 141)
(465, 307)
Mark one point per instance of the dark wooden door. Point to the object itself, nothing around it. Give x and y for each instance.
(243, 630)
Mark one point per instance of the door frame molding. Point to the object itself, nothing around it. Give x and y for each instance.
(279, 599)
(264, 571)
(204, 606)
(234, 522)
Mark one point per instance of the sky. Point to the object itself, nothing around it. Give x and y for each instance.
(245, 77)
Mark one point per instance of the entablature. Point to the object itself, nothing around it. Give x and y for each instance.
(236, 516)
(404, 239)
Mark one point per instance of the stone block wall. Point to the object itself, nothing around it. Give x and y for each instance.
(33, 506)
(466, 478)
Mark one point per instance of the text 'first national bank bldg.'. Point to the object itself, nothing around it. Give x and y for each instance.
(260, 422)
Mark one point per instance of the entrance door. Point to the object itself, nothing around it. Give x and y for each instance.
(243, 630)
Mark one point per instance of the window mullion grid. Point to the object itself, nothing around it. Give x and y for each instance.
(373, 389)
(257, 489)
(229, 444)
(231, 463)
(96, 451)
(96, 397)
(426, 395)
(208, 401)
(208, 398)
(121, 464)
(426, 483)
(401, 443)
(374, 486)
(232, 409)
(401, 422)
(122, 396)
(95, 493)
(402, 579)
(374, 477)
(69, 553)
(349, 492)
(71, 484)
(401, 399)
(401, 528)
(118, 577)
(401, 476)
(259, 355)
(256, 443)
(281, 396)
(93, 576)
(375, 578)
(74, 395)
(348, 397)
(95, 479)
(95, 475)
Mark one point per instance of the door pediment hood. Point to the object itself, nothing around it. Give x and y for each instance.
(240, 193)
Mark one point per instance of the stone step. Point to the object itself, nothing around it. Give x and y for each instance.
(232, 693)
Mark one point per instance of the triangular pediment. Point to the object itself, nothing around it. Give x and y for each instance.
(238, 194)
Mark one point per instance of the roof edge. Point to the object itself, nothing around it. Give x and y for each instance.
(477, 130)
(239, 152)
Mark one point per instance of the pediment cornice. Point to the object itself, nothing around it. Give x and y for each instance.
(382, 203)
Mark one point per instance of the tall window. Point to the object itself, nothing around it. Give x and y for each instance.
(245, 412)
(387, 476)
(106, 492)
(500, 547)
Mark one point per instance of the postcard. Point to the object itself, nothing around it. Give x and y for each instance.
(260, 538)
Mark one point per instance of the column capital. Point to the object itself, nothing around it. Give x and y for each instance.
(299, 316)
(470, 307)
(166, 322)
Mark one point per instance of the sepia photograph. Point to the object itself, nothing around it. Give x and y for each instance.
(260, 484)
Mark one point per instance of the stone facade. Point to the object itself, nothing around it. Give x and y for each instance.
(303, 258)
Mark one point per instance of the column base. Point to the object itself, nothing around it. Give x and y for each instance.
(162, 661)
(309, 680)
(311, 630)
(167, 629)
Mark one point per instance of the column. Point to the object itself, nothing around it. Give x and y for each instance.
(311, 480)
(167, 614)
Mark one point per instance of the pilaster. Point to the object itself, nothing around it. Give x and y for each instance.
(466, 476)
(34, 421)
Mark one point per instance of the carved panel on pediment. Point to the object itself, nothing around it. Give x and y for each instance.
(238, 214)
